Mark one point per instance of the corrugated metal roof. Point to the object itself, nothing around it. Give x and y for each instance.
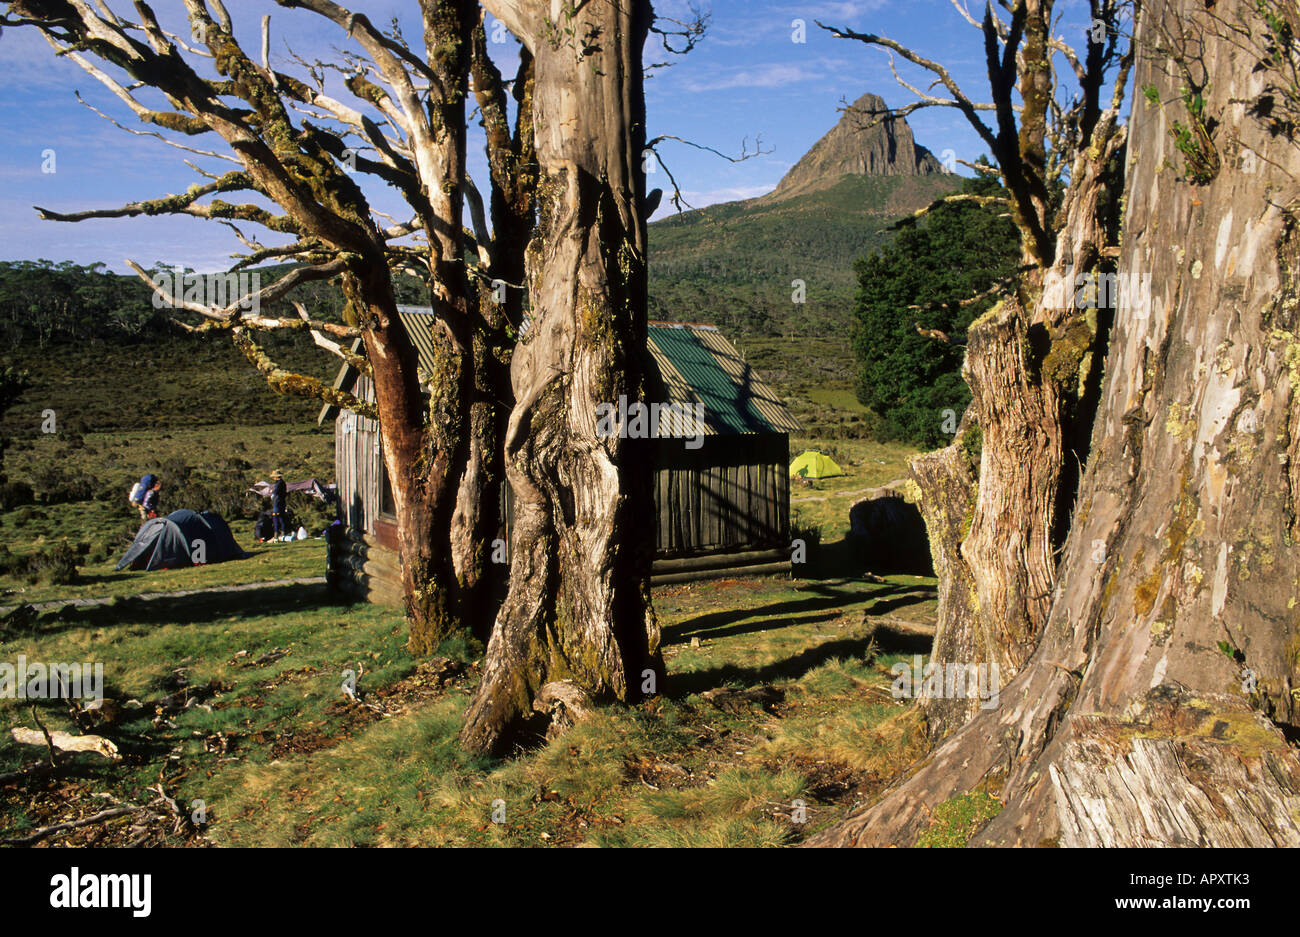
(419, 322)
(697, 365)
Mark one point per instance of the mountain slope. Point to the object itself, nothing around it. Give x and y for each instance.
(734, 264)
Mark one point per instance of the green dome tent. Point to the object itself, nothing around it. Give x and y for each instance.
(814, 464)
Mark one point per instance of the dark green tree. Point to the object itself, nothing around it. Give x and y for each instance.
(12, 384)
(924, 279)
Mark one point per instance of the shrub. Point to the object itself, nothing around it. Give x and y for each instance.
(805, 530)
(59, 486)
(10, 564)
(15, 494)
(56, 566)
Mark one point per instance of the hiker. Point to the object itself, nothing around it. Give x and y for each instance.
(149, 506)
(138, 492)
(278, 493)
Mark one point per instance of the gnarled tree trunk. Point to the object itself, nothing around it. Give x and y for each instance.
(1155, 709)
(997, 502)
(578, 605)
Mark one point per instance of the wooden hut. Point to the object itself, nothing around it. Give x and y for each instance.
(722, 484)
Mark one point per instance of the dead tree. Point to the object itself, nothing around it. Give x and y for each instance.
(404, 125)
(1156, 704)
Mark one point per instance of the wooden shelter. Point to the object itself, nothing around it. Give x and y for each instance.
(722, 484)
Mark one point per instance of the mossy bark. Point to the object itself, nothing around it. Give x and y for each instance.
(578, 605)
(1129, 725)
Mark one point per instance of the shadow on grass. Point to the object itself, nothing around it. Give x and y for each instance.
(201, 608)
(96, 579)
(850, 557)
(681, 685)
(734, 621)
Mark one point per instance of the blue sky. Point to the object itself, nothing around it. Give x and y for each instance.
(746, 78)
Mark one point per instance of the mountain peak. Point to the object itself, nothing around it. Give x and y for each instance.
(852, 147)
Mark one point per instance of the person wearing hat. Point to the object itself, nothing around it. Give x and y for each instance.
(278, 493)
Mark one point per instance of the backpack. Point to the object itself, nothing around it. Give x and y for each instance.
(137, 494)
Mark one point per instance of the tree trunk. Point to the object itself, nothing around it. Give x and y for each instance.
(578, 606)
(512, 168)
(997, 502)
(450, 507)
(418, 482)
(1132, 724)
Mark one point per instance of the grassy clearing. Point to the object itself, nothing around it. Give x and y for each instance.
(239, 703)
(209, 467)
(266, 562)
(824, 503)
(278, 756)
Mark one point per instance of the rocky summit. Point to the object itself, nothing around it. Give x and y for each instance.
(859, 144)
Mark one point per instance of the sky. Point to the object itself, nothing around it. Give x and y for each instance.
(750, 78)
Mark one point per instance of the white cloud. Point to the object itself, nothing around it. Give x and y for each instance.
(702, 199)
(772, 75)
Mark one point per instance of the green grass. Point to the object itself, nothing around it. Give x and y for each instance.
(673, 772)
(265, 563)
(305, 767)
(956, 820)
(825, 503)
(201, 468)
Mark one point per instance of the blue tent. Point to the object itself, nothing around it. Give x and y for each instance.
(172, 542)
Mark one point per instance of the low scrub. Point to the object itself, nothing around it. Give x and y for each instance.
(56, 565)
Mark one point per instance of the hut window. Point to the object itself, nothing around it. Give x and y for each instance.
(387, 508)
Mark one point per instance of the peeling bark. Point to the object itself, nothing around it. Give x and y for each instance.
(1129, 725)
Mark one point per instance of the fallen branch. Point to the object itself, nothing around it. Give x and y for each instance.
(67, 743)
(49, 743)
(70, 825)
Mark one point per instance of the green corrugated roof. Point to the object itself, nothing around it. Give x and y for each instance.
(729, 407)
(696, 363)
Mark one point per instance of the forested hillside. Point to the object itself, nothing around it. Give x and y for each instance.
(733, 265)
(926, 278)
(98, 353)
